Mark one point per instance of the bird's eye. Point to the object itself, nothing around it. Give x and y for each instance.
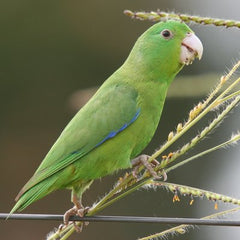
(166, 34)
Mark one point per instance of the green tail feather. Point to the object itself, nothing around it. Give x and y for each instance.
(33, 194)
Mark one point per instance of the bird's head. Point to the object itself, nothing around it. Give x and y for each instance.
(165, 48)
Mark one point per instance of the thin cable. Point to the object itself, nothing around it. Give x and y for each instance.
(127, 219)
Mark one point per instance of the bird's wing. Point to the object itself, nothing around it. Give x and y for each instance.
(109, 112)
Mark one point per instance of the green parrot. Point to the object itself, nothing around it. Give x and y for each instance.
(119, 121)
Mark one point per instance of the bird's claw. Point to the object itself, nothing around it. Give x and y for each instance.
(71, 212)
(61, 227)
(81, 212)
(143, 159)
(79, 228)
(164, 175)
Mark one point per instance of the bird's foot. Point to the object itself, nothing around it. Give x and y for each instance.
(143, 159)
(79, 211)
(78, 228)
(71, 212)
(163, 175)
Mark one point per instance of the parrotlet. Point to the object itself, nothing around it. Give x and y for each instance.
(119, 121)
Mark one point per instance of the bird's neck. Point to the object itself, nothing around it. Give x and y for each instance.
(159, 72)
(143, 75)
(152, 86)
(156, 66)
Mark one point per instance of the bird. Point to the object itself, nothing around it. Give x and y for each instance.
(110, 131)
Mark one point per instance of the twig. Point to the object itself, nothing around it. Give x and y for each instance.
(160, 15)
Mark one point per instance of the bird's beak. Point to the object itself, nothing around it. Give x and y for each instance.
(191, 47)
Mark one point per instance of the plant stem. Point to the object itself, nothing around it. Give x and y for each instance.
(112, 196)
(161, 15)
(224, 144)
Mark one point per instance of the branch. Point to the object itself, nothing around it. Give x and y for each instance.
(160, 16)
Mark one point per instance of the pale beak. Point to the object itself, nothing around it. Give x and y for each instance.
(191, 47)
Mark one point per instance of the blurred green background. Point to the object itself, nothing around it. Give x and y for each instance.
(49, 50)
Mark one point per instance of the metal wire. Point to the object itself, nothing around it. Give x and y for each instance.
(127, 219)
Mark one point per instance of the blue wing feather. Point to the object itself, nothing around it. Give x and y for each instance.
(95, 111)
(114, 133)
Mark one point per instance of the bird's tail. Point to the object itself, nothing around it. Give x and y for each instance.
(33, 194)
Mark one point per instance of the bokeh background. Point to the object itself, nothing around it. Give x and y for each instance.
(49, 50)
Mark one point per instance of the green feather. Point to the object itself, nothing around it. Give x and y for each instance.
(84, 151)
(76, 140)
